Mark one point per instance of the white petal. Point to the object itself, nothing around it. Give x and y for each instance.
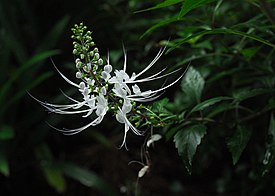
(127, 106)
(135, 130)
(143, 171)
(119, 117)
(136, 89)
(126, 129)
(153, 139)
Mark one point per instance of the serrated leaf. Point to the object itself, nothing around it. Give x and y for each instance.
(189, 5)
(6, 132)
(269, 158)
(237, 143)
(163, 4)
(187, 141)
(4, 165)
(192, 85)
(209, 102)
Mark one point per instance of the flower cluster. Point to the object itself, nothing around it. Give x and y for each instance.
(105, 89)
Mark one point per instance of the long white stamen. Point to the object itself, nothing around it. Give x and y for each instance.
(152, 63)
(125, 59)
(151, 78)
(64, 77)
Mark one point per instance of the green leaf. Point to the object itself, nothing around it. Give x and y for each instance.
(209, 102)
(192, 85)
(269, 158)
(244, 94)
(187, 141)
(220, 31)
(24, 67)
(87, 178)
(223, 74)
(159, 106)
(163, 4)
(4, 165)
(22, 92)
(237, 143)
(219, 108)
(55, 178)
(189, 5)
(161, 23)
(248, 53)
(205, 44)
(6, 132)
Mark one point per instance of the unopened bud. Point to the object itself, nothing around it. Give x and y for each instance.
(97, 56)
(89, 66)
(108, 68)
(78, 75)
(78, 65)
(103, 90)
(74, 51)
(100, 61)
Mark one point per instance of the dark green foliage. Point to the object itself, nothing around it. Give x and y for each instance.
(187, 141)
(238, 142)
(227, 90)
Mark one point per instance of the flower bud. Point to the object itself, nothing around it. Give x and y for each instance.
(82, 85)
(108, 68)
(100, 61)
(96, 56)
(78, 65)
(96, 50)
(105, 75)
(77, 60)
(82, 56)
(78, 75)
(89, 66)
(74, 51)
(103, 90)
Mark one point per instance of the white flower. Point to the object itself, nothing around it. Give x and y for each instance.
(120, 86)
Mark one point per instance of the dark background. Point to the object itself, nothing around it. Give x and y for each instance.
(42, 161)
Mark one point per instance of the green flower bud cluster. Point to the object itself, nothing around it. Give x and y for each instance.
(88, 58)
(83, 43)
